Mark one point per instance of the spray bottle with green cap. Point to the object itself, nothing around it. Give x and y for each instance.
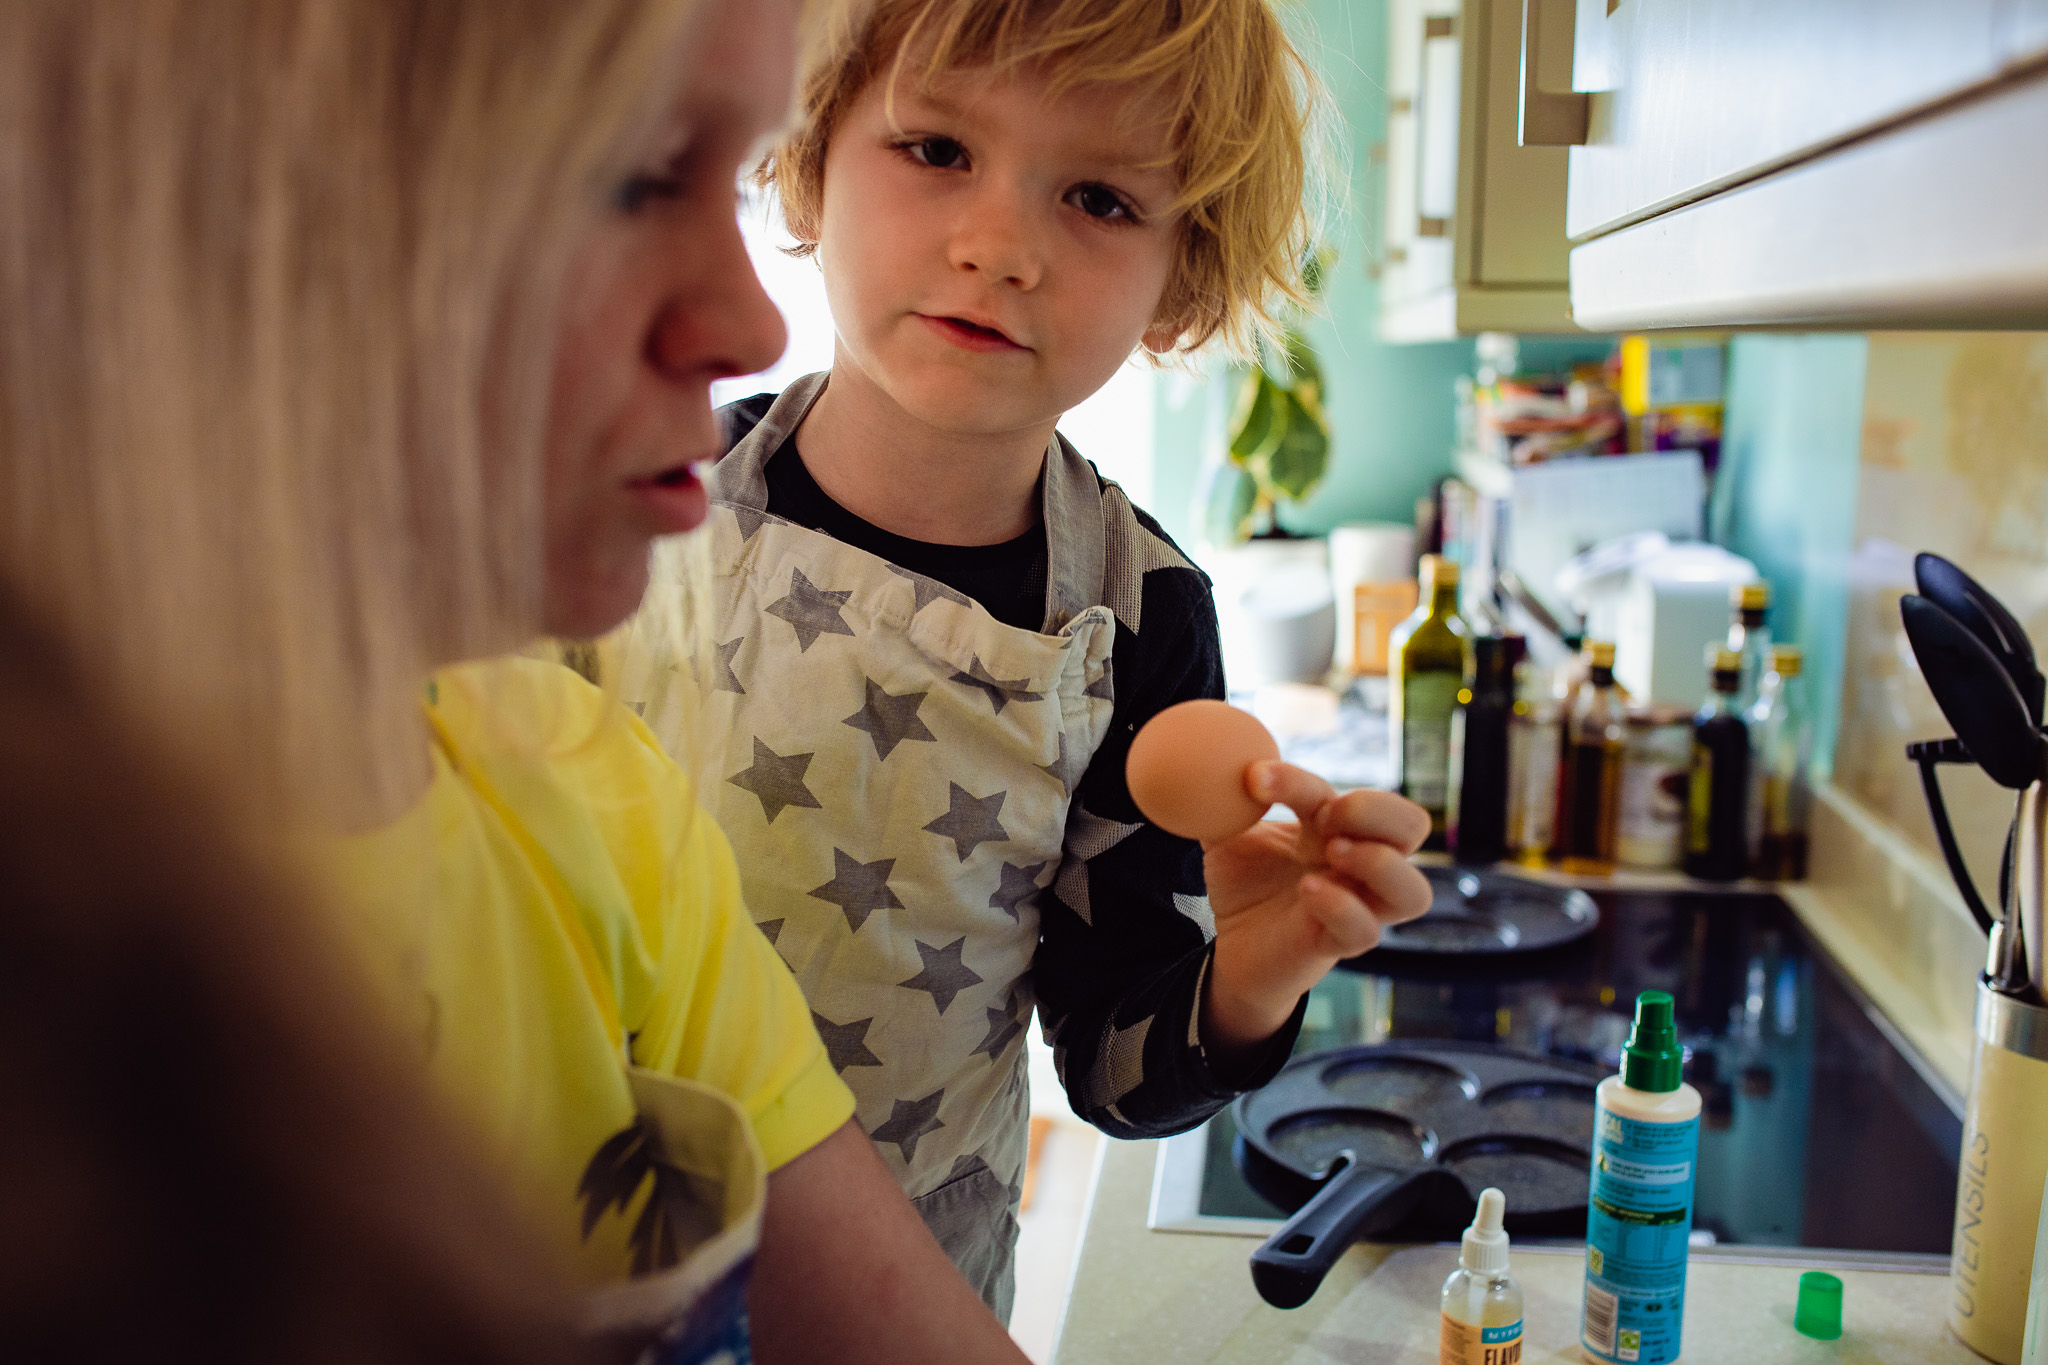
(1646, 1133)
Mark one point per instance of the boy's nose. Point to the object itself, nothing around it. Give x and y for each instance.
(995, 237)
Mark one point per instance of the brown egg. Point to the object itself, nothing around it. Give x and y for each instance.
(1187, 769)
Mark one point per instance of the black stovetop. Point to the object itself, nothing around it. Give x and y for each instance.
(1818, 1130)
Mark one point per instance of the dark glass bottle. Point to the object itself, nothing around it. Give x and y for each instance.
(1478, 804)
(1596, 736)
(1717, 812)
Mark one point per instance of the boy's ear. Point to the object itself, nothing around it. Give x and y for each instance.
(1163, 338)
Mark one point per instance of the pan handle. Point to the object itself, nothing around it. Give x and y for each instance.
(1291, 1264)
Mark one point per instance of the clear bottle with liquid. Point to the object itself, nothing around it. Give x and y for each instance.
(1778, 747)
(1535, 751)
(1749, 635)
(1482, 1301)
(1596, 740)
(1427, 653)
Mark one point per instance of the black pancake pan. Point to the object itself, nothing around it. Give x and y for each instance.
(1396, 1140)
(1475, 912)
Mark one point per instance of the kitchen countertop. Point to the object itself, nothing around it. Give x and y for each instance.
(1143, 1296)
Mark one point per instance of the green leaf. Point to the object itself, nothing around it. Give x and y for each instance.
(1229, 500)
(1298, 463)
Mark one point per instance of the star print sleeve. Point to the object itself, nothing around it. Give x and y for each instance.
(1126, 929)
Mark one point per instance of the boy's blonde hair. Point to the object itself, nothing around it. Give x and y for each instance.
(278, 302)
(1243, 107)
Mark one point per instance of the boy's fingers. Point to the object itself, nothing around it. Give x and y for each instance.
(1349, 925)
(1391, 884)
(1375, 815)
(1301, 791)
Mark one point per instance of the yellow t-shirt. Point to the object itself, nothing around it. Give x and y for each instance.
(554, 898)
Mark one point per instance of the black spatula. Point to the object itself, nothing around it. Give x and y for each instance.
(1975, 693)
(1985, 617)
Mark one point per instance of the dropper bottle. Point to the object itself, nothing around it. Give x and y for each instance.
(1482, 1302)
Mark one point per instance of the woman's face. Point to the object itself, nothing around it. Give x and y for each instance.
(662, 300)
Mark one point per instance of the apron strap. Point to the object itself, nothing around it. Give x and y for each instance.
(1074, 536)
(740, 477)
(1071, 500)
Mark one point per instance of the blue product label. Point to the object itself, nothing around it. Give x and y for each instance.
(1638, 1227)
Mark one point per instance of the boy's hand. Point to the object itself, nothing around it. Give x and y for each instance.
(1293, 900)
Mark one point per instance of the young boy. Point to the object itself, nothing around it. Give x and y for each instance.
(937, 629)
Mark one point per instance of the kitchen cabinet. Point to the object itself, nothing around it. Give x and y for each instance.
(1474, 235)
(1860, 163)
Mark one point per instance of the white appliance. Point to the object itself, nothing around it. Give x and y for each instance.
(1662, 602)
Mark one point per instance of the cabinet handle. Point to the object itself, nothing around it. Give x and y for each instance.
(1548, 119)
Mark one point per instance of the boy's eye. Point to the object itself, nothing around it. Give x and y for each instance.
(942, 153)
(1100, 201)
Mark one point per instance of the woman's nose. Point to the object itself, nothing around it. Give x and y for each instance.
(720, 322)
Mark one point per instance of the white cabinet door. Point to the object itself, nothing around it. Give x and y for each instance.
(1694, 96)
(1474, 231)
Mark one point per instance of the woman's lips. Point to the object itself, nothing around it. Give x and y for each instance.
(970, 336)
(676, 497)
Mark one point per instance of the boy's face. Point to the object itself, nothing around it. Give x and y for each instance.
(993, 255)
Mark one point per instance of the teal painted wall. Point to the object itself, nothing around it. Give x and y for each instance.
(1390, 407)
(1392, 410)
(1786, 494)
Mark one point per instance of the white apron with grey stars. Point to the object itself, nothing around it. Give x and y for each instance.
(899, 767)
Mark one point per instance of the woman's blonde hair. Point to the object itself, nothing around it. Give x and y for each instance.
(278, 292)
(1244, 108)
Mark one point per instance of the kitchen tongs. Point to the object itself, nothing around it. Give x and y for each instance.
(1980, 667)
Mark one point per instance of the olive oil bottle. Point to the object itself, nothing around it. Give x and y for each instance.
(1596, 736)
(1427, 652)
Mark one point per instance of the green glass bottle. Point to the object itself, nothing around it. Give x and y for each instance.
(1427, 652)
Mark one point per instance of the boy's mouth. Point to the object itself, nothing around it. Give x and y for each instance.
(970, 335)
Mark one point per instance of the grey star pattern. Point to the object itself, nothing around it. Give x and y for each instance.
(944, 975)
(910, 1120)
(727, 680)
(778, 780)
(1019, 884)
(859, 888)
(771, 929)
(1003, 1025)
(1120, 1066)
(811, 610)
(890, 719)
(1129, 553)
(1067, 765)
(970, 821)
(1104, 687)
(1088, 836)
(846, 1044)
(750, 520)
(999, 691)
(1198, 909)
(928, 590)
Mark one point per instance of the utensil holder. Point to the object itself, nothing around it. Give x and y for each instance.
(2000, 1176)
